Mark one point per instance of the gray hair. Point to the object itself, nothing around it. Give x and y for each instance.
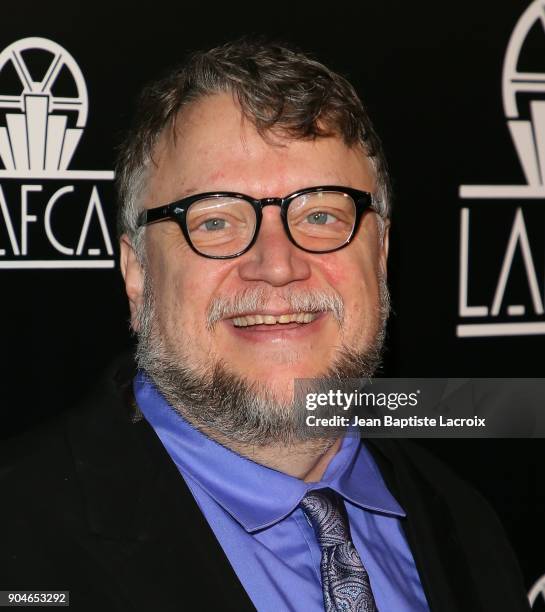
(277, 88)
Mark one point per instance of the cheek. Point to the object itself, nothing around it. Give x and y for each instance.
(354, 272)
(178, 286)
(358, 262)
(186, 297)
(336, 269)
(187, 291)
(351, 271)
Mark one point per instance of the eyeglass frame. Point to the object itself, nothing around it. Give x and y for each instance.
(177, 211)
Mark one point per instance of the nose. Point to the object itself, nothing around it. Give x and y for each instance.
(273, 258)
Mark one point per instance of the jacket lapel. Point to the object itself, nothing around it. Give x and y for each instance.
(429, 529)
(144, 526)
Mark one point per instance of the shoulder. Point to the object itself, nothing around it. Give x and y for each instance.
(413, 471)
(402, 458)
(43, 449)
(46, 490)
(451, 519)
(40, 470)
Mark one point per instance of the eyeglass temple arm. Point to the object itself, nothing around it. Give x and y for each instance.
(153, 215)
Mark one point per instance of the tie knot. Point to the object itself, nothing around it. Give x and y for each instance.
(324, 510)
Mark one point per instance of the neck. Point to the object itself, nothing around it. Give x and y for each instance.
(307, 461)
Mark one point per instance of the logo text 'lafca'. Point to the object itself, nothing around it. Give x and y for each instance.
(524, 105)
(51, 215)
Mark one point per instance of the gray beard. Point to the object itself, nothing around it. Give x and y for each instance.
(233, 409)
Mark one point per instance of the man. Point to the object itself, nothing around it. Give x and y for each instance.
(254, 237)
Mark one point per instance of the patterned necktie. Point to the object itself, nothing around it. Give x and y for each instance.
(345, 582)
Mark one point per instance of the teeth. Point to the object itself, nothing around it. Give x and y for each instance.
(300, 317)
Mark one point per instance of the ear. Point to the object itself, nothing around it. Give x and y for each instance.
(133, 275)
(384, 247)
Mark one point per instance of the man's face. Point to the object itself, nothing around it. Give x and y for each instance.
(215, 149)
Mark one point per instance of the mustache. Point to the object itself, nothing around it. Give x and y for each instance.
(253, 299)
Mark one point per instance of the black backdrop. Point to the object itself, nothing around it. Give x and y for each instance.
(431, 76)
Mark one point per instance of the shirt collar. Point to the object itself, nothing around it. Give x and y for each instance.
(254, 495)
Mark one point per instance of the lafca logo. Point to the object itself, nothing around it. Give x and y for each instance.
(51, 216)
(524, 105)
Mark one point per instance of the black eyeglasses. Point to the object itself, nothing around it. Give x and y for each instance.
(223, 225)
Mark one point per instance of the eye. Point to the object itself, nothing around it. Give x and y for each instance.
(321, 218)
(214, 224)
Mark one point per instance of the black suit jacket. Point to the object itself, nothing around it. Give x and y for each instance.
(93, 504)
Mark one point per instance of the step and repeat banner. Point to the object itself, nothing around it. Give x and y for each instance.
(457, 94)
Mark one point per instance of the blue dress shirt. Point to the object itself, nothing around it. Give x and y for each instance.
(253, 511)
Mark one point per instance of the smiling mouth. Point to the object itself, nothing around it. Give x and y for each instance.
(268, 319)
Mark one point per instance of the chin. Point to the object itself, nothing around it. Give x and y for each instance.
(277, 378)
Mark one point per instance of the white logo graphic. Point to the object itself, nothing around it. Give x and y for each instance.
(537, 590)
(528, 134)
(40, 128)
(526, 124)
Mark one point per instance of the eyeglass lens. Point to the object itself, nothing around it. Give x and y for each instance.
(224, 226)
